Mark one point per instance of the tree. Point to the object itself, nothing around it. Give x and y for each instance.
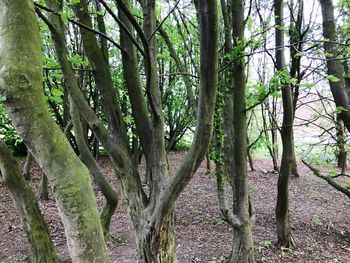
(151, 215)
(103, 82)
(284, 231)
(231, 148)
(243, 246)
(334, 67)
(21, 85)
(41, 246)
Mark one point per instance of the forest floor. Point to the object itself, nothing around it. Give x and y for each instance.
(319, 214)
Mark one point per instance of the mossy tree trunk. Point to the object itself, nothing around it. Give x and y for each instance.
(41, 246)
(107, 190)
(21, 85)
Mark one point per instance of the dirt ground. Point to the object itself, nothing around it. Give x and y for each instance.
(319, 216)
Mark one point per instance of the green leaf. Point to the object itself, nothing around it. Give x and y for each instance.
(298, 54)
(57, 100)
(56, 92)
(64, 17)
(332, 78)
(75, 2)
(250, 23)
(340, 109)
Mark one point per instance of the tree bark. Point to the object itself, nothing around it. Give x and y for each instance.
(341, 153)
(27, 165)
(21, 84)
(41, 246)
(44, 188)
(133, 83)
(284, 233)
(157, 243)
(334, 66)
(297, 38)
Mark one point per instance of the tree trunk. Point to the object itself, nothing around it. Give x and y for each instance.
(107, 190)
(297, 38)
(250, 160)
(218, 141)
(242, 244)
(27, 165)
(208, 164)
(334, 66)
(41, 246)
(156, 244)
(133, 83)
(341, 153)
(21, 84)
(44, 188)
(284, 234)
(294, 168)
(135, 149)
(273, 147)
(98, 58)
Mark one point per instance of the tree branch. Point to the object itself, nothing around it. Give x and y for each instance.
(328, 179)
(79, 24)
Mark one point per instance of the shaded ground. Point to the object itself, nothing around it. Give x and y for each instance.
(320, 217)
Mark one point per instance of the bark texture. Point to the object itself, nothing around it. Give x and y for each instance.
(27, 165)
(44, 187)
(341, 153)
(107, 190)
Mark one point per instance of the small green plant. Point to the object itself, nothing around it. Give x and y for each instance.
(183, 144)
(218, 221)
(316, 223)
(264, 245)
